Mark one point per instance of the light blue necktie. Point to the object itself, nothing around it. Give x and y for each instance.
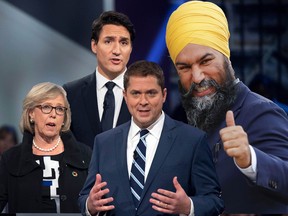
(138, 168)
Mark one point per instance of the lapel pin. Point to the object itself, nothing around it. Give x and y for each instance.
(74, 173)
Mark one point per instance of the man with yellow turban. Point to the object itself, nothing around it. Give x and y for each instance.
(247, 133)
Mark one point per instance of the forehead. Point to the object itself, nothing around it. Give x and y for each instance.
(146, 82)
(59, 99)
(110, 30)
(196, 51)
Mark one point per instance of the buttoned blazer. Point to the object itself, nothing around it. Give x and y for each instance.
(182, 151)
(86, 124)
(267, 127)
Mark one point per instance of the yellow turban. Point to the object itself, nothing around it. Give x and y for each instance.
(197, 22)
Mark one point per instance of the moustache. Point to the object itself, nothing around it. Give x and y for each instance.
(204, 83)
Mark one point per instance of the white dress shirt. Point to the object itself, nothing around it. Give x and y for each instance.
(251, 171)
(152, 140)
(117, 90)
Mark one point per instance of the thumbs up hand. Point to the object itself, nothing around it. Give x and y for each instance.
(235, 142)
(230, 119)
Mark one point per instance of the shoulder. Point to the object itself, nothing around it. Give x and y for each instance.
(74, 148)
(123, 128)
(253, 111)
(248, 98)
(76, 84)
(255, 103)
(182, 128)
(74, 145)
(14, 152)
(13, 159)
(85, 149)
(118, 132)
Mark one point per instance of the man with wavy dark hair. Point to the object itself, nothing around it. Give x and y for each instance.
(111, 42)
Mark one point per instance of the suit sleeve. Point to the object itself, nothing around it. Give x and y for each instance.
(90, 181)
(207, 199)
(267, 129)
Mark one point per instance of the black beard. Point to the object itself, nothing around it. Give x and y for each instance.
(208, 111)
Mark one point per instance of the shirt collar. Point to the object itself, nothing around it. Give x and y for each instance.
(101, 80)
(154, 129)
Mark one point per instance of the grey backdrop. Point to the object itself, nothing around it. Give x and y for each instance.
(32, 52)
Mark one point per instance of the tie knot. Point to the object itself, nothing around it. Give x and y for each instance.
(110, 85)
(143, 132)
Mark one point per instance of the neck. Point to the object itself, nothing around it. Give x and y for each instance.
(47, 149)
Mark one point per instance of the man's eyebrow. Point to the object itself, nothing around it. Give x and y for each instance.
(180, 64)
(202, 58)
(206, 55)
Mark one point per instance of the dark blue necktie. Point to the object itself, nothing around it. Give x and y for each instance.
(138, 168)
(108, 107)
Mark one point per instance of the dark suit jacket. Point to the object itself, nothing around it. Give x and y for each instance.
(267, 128)
(21, 176)
(182, 152)
(82, 97)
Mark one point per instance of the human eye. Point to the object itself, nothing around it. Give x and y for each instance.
(152, 93)
(46, 108)
(183, 68)
(60, 109)
(124, 42)
(107, 41)
(205, 61)
(135, 93)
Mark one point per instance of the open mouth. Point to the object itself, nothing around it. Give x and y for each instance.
(115, 60)
(203, 91)
(50, 124)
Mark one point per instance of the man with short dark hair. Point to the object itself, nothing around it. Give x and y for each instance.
(96, 100)
(151, 165)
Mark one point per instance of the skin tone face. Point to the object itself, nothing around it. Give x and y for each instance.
(144, 98)
(48, 126)
(196, 63)
(112, 50)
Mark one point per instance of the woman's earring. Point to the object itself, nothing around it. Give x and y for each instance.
(31, 121)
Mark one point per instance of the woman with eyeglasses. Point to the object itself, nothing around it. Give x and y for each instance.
(45, 173)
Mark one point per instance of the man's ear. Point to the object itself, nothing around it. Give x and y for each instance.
(94, 46)
(124, 94)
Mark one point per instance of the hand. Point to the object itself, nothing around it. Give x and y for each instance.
(95, 203)
(235, 142)
(169, 202)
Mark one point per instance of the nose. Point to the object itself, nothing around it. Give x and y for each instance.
(53, 112)
(116, 49)
(143, 100)
(197, 74)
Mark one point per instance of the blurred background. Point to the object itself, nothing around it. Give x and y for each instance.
(49, 40)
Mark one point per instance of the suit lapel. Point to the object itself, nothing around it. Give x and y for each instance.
(121, 156)
(121, 153)
(90, 102)
(214, 138)
(124, 114)
(164, 146)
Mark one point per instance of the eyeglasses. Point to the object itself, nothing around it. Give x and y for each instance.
(46, 109)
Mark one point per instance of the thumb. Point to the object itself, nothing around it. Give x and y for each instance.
(230, 119)
(98, 179)
(176, 184)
